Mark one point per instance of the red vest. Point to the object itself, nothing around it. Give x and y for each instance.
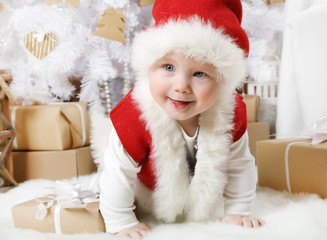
(136, 138)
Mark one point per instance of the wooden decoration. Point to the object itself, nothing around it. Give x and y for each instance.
(40, 45)
(271, 2)
(73, 3)
(143, 3)
(1, 7)
(7, 134)
(114, 17)
(111, 25)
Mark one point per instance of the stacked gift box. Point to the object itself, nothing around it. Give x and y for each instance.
(293, 164)
(52, 141)
(257, 130)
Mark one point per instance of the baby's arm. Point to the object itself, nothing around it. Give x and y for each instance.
(243, 220)
(116, 186)
(240, 190)
(136, 232)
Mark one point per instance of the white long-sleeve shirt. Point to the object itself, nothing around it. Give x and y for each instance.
(120, 173)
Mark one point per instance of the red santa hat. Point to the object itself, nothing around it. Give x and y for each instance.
(206, 30)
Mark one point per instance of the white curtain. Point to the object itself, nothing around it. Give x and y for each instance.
(302, 96)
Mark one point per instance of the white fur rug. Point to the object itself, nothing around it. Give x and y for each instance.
(288, 217)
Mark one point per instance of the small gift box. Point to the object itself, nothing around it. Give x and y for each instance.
(293, 164)
(53, 165)
(252, 107)
(257, 131)
(67, 210)
(56, 126)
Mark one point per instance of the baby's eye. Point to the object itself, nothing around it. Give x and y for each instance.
(169, 67)
(200, 74)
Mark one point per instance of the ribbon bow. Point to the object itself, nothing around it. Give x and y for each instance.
(319, 130)
(73, 3)
(64, 195)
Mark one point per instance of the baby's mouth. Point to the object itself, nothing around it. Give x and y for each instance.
(180, 105)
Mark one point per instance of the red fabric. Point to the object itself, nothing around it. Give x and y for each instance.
(226, 14)
(240, 119)
(130, 128)
(136, 139)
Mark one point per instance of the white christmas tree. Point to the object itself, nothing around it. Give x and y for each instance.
(43, 74)
(82, 46)
(263, 23)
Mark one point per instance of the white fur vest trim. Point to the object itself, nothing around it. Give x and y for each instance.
(177, 194)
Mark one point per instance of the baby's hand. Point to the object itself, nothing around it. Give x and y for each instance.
(136, 232)
(243, 220)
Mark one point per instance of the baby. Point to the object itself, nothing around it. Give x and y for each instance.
(179, 141)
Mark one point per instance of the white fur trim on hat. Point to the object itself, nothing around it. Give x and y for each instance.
(193, 38)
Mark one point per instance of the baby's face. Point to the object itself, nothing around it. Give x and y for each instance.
(183, 87)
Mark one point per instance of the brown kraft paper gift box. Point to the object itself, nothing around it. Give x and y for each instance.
(72, 220)
(306, 163)
(252, 103)
(257, 131)
(57, 126)
(52, 165)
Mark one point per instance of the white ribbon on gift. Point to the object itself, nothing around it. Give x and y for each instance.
(318, 135)
(287, 172)
(13, 122)
(64, 195)
(320, 130)
(80, 109)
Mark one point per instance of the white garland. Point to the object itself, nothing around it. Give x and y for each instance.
(263, 23)
(117, 53)
(98, 61)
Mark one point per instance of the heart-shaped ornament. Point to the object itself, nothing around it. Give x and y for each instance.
(40, 44)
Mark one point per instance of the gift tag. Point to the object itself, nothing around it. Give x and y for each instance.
(143, 3)
(39, 44)
(73, 3)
